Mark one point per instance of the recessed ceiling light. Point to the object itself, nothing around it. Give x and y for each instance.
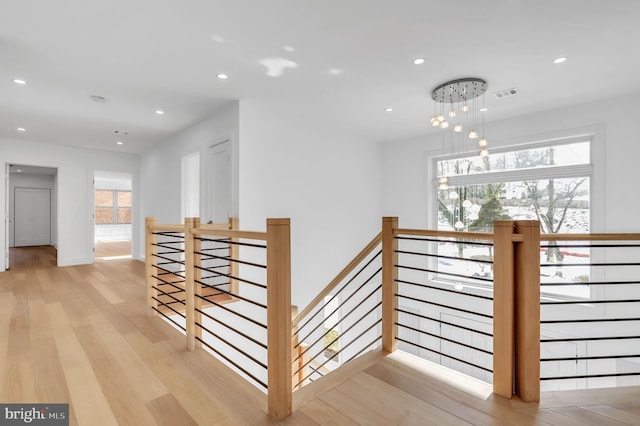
(119, 143)
(19, 170)
(19, 81)
(159, 112)
(418, 61)
(222, 76)
(21, 129)
(560, 60)
(99, 99)
(485, 109)
(388, 109)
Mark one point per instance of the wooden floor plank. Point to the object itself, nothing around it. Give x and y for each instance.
(87, 399)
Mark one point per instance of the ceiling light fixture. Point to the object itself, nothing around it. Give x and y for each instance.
(560, 60)
(19, 81)
(388, 109)
(222, 76)
(21, 129)
(461, 97)
(159, 112)
(418, 61)
(119, 143)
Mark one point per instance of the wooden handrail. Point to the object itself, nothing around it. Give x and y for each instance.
(349, 268)
(589, 237)
(166, 228)
(445, 234)
(250, 235)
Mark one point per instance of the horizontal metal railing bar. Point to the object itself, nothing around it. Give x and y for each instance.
(223, 307)
(220, 274)
(444, 338)
(591, 376)
(169, 318)
(444, 322)
(167, 272)
(364, 283)
(449, 274)
(328, 345)
(214, 249)
(237, 296)
(171, 283)
(263, 384)
(589, 339)
(588, 245)
(589, 302)
(335, 294)
(171, 292)
(246, 336)
(343, 348)
(331, 328)
(591, 283)
(588, 320)
(168, 258)
(445, 234)
(445, 306)
(364, 299)
(585, 358)
(246, 235)
(475, 243)
(236, 243)
(176, 300)
(447, 290)
(589, 237)
(231, 345)
(243, 262)
(440, 256)
(590, 264)
(169, 307)
(444, 355)
(176, 251)
(363, 349)
(339, 278)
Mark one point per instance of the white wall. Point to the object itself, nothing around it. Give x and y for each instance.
(160, 168)
(74, 191)
(29, 180)
(406, 163)
(294, 164)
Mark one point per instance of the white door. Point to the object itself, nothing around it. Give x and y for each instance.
(32, 217)
(219, 183)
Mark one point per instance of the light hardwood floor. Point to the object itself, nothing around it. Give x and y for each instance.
(81, 335)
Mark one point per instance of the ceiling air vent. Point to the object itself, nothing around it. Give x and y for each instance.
(506, 93)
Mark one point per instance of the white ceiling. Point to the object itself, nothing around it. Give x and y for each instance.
(353, 59)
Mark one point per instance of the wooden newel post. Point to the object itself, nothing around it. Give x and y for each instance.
(527, 311)
(189, 282)
(503, 308)
(389, 284)
(149, 270)
(234, 253)
(279, 318)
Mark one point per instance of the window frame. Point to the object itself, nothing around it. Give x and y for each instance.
(114, 207)
(592, 170)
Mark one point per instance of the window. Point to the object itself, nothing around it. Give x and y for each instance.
(113, 207)
(547, 182)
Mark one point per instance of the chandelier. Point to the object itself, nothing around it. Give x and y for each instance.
(456, 107)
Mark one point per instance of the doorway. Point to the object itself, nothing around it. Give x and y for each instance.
(31, 207)
(113, 204)
(218, 201)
